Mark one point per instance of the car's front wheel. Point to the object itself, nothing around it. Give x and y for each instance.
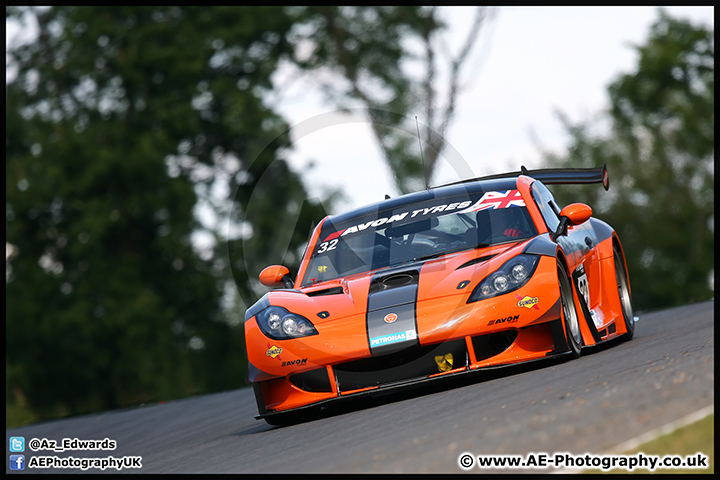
(569, 312)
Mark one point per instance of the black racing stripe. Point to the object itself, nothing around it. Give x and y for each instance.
(397, 303)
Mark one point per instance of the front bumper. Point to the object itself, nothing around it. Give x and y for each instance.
(454, 338)
(325, 385)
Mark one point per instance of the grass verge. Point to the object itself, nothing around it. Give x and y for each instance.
(698, 437)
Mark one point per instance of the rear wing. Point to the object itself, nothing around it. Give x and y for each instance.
(554, 176)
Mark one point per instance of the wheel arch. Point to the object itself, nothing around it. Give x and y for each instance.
(564, 343)
(617, 244)
(589, 337)
(560, 255)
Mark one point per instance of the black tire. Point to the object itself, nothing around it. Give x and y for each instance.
(624, 293)
(569, 313)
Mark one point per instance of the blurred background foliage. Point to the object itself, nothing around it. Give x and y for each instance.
(126, 126)
(366, 48)
(658, 141)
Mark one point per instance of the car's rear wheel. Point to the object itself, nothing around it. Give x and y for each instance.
(624, 293)
(570, 317)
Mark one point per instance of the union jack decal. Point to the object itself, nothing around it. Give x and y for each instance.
(493, 200)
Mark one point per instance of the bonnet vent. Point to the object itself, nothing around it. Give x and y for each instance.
(393, 280)
(326, 291)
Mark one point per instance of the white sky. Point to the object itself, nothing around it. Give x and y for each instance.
(529, 63)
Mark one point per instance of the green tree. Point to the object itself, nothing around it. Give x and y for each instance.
(123, 123)
(659, 153)
(120, 122)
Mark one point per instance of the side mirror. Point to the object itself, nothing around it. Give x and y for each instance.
(577, 213)
(573, 214)
(276, 276)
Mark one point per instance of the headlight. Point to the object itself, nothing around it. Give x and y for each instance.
(279, 324)
(511, 275)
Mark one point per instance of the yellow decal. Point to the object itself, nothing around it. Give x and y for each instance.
(444, 362)
(528, 302)
(273, 351)
(322, 268)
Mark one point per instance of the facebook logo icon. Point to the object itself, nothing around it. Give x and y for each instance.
(17, 462)
(17, 444)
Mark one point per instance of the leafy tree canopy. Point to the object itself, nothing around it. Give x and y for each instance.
(122, 124)
(659, 153)
(119, 120)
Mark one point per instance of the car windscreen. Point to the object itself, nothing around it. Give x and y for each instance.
(416, 232)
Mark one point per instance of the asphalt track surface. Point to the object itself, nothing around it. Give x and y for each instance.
(610, 394)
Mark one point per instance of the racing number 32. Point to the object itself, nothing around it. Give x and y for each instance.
(327, 246)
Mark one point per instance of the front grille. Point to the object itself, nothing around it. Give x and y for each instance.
(408, 364)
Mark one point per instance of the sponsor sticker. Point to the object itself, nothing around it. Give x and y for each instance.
(528, 302)
(393, 338)
(489, 201)
(505, 320)
(456, 207)
(444, 362)
(273, 351)
(390, 318)
(294, 362)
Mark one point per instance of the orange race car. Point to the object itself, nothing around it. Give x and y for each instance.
(442, 282)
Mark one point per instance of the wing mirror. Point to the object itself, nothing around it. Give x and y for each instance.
(577, 213)
(276, 276)
(573, 214)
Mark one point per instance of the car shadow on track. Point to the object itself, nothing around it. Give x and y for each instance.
(406, 392)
